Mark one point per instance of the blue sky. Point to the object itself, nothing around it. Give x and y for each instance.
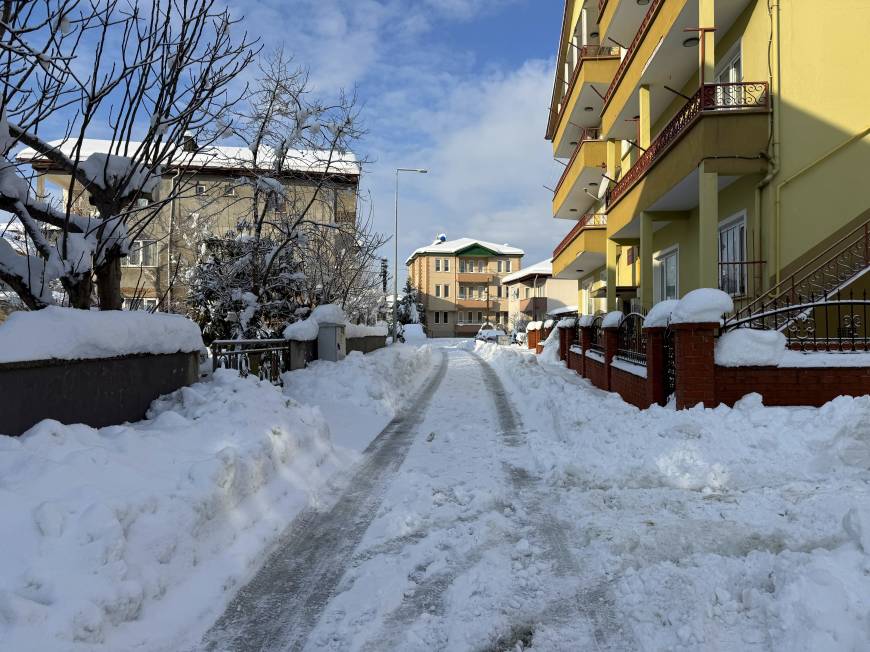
(458, 86)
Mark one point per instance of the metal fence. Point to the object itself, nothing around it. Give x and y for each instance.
(597, 332)
(266, 359)
(632, 339)
(834, 323)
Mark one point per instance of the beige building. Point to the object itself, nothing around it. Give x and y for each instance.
(459, 282)
(216, 196)
(533, 293)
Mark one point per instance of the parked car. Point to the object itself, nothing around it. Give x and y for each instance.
(490, 333)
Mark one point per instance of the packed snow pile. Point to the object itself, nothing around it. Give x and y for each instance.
(550, 353)
(127, 536)
(567, 322)
(70, 334)
(741, 528)
(306, 330)
(361, 330)
(750, 347)
(414, 333)
(612, 319)
(659, 315)
(534, 326)
(702, 306)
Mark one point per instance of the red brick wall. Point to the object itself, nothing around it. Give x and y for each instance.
(633, 389)
(575, 361)
(539, 348)
(566, 337)
(532, 338)
(596, 372)
(693, 352)
(791, 386)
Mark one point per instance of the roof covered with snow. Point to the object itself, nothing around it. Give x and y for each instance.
(543, 268)
(212, 157)
(453, 247)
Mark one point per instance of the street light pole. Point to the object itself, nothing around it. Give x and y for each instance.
(396, 253)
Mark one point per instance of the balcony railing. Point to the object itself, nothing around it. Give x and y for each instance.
(588, 133)
(709, 98)
(566, 88)
(645, 24)
(590, 219)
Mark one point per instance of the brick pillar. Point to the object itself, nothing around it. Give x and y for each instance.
(655, 365)
(696, 368)
(585, 345)
(611, 343)
(564, 342)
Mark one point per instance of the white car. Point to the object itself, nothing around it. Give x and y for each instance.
(489, 333)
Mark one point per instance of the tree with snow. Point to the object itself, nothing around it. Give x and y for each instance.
(156, 78)
(410, 309)
(298, 242)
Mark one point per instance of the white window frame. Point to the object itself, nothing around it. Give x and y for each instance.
(199, 189)
(437, 291)
(141, 303)
(437, 264)
(446, 264)
(740, 217)
(136, 258)
(507, 265)
(658, 277)
(446, 291)
(726, 66)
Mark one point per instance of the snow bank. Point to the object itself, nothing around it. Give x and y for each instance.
(133, 536)
(329, 313)
(70, 334)
(702, 306)
(612, 319)
(750, 347)
(414, 333)
(567, 322)
(534, 326)
(361, 330)
(550, 354)
(660, 314)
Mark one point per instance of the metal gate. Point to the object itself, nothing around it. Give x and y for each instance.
(669, 368)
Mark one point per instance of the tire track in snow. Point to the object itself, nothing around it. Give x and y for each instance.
(280, 606)
(595, 603)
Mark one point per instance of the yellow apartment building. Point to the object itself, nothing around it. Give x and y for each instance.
(459, 282)
(214, 199)
(711, 143)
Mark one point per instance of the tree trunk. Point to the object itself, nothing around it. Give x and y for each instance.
(79, 291)
(109, 284)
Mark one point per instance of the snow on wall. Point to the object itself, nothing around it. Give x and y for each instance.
(534, 326)
(748, 346)
(612, 319)
(702, 306)
(361, 330)
(660, 314)
(302, 331)
(70, 334)
(567, 322)
(329, 314)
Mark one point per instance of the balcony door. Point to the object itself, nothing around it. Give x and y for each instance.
(732, 255)
(731, 73)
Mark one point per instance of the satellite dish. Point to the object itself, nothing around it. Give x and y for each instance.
(442, 237)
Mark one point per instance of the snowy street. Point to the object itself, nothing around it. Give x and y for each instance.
(557, 517)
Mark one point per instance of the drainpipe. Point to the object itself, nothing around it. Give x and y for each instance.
(773, 138)
(175, 178)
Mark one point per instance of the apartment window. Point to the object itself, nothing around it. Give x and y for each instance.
(479, 317)
(437, 317)
(666, 266)
(461, 291)
(507, 265)
(446, 264)
(470, 317)
(528, 292)
(446, 318)
(438, 291)
(200, 189)
(229, 190)
(732, 255)
(446, 291)
(499, 264)
(437, 264)
(143, 253)
(481, 265)
(140, 303)
(481, 292)
(462, 266)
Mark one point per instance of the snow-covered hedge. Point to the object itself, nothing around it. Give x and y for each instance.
(70, 334)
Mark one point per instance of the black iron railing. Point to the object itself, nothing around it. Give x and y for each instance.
(830, 322)
(632, 339)
(266, 359)
(669, 368)
(597, 333)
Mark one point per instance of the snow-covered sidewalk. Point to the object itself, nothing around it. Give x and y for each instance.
(137, 536)
(726, 529)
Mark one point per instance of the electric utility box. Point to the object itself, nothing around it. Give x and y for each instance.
(331, 344)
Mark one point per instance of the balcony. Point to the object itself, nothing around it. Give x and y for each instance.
(579, 106)
(478, 278)
(534, 306)
(473, 304)
(579, 183)
(724, 123)
(659, 54)
(583, 249)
